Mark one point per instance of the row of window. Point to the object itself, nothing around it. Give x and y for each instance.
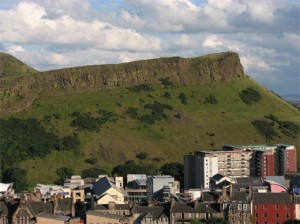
(276, 206)
(277, 215)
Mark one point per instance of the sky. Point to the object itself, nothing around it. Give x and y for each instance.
(52, 34)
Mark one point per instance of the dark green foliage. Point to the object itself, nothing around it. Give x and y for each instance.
(57, 116)
(182, 98)
(63, 173)
(142, 155)
(272, 117)
(166, 82)
(106, 116)
(132, 112)
(93, 172)
(196, 221)
(210, 99)
(215, 220)
(23, 139)
(91, 161)
(265, 129)
(157, 112)
(173, 169)
(250, 96)
(289, 128)
(17, 176)
(141, 88)
(131, 167)
(70, 142)
(166, 95)
(84, 121)
(177, 115)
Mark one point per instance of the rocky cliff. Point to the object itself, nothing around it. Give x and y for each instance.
(18, 93)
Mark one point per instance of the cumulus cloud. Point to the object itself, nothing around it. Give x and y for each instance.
(51, 34)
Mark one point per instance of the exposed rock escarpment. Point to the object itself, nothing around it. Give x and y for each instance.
(18, 93)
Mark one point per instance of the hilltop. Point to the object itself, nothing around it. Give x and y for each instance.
(165, 107)
(11, 66)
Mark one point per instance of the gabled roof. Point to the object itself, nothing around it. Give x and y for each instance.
(191, 207)
(36, 207)
(51, 216)
(102, 185)
(209, 196)
(239, 196)
(4, 187)
(155, 212)
(253, 181)
(217, 177)
(272, 198)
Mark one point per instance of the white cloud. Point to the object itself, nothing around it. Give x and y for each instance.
(212, 41)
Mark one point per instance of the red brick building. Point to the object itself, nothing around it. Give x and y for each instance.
(276, 208)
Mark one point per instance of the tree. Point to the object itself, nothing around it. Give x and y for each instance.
(63, 173)
(214, 220)
(93, 172)
(196, 221)
(17, 176)
(173, 169)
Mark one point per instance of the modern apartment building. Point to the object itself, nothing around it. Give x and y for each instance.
(238, 161)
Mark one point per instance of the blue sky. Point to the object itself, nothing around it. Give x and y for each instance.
(51, 34)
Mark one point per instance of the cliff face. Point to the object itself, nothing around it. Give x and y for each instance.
(18, 93)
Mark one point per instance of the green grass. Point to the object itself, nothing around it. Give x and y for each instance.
(170, 139)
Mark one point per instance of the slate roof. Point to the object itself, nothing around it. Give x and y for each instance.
(3, 207)
(105, 214)
(191, 207)
(102, 185)
(65, 204)
(253, 181)
(117, 207)
(278, 179)
(37, 207)
(209, 196)
(51, 216)
(239, 196)
(217, 177)
(155, 212)
(272, 198)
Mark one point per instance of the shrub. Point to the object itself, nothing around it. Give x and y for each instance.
(289, 128)
(166, 82)
(70, 142)
(210, 99)
(142, 155)
(91, 161)
(63, 173)
(250, 96)
(166, 95)
(183, 98)
(84, 121)
(93, 172)
(141, 88)
(132, 112)
(265, 129)
(57, 116)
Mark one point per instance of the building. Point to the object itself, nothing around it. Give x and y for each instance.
(198, 168)
(161, 187)
(152, 214)
(136, 187)
(109, 192)
(93, 217)
(6, 190)
(238, 161)
(277, 208)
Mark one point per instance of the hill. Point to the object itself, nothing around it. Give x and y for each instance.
(11, 66)
(164, 107)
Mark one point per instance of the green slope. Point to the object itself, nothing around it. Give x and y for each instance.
(169, 139)
(10, 66)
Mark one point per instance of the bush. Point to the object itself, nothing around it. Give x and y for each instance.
(141, 88)
(93, 172)
(84, 121)
(265, 129)
(132, 112)
(166, 82)
(63, 173)
(69, 143)
(142, 155)
(183, 98)
(211, 99)
(17, 176)
(166, 95)
(91, 161)
(289, 128)
(250, 96)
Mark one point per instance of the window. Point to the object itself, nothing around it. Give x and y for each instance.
(276, 207)
(245, 207)
(256, 215)
(277, 215)
(239, 207)
(286, 207)
(287, 215)
(266, 215)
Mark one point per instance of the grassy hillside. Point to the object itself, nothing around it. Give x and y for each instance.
(199, 124)
(10, 66)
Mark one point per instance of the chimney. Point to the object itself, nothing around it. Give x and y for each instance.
(224, 192)
(230, 192)
(172, 202)
(250, 192)
(196, 202)
(73, 208)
